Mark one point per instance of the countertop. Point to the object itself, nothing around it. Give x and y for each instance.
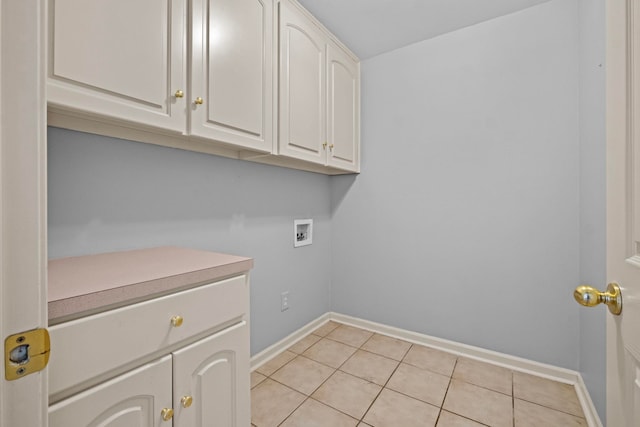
(84, 285)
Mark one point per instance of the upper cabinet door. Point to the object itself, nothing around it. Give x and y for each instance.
(119, 58)
(232, 72)
(343, 109)
(302, 132)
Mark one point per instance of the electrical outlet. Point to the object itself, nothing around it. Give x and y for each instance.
(284, 301)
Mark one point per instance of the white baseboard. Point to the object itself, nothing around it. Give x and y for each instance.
(519, 364)
(589, 409)
(270, 352)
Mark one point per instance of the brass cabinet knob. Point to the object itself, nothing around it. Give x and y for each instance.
(167, 414)
(186, 401)
(179, 94)
(324, 145)
(199, 101)
(331, 147)
(176, 321)
(590, 297)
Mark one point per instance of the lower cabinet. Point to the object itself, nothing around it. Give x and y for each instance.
(203, 384)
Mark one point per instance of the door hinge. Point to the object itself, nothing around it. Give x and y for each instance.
(26, 353)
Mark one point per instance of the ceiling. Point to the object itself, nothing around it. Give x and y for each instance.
(372, 27)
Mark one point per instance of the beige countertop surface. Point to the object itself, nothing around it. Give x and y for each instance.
(83, 285)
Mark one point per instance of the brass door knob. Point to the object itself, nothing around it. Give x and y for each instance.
(186, 401)
(176, 321)
(179, 94)
(199, 101)
(590, 297)
(167, 414)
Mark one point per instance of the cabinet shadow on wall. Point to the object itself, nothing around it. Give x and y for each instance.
(340, 186)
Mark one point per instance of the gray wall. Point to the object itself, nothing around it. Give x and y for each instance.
(464, 223)
(107, 194)
(593, 195)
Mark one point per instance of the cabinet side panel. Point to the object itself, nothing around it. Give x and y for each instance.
(343, 123)
(343, 108)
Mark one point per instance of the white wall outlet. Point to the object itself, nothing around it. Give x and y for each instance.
(284, 301)
(302, 232)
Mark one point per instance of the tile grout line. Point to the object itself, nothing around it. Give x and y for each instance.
(446, 391)
(307, 397)
(290, 388)
(422, 369)
(513, 400)
(292, 412)
(344, 343)
(384, 386)
(349, 358)
(583, 416)
(550, 408)
(388, 379)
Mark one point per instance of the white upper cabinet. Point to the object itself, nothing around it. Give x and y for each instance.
(120, 59)
(232, 72)
(226, 77)
(319, 94)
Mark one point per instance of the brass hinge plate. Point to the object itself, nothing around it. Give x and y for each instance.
(26, 353)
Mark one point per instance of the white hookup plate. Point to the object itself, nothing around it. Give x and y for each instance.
(302, 232)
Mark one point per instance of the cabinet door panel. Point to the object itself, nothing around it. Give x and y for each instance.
(302, 87)
(232, 71)
(215, 372)
(134, 399)
(344, 110)
(119, 58)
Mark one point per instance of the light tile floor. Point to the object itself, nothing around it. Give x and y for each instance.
(344, 376)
